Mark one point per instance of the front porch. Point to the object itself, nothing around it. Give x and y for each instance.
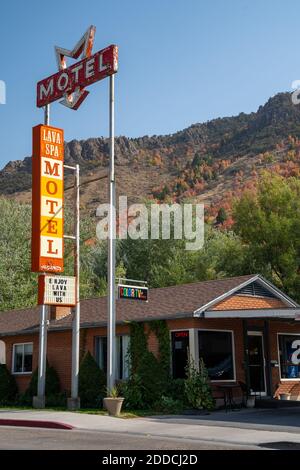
(262, 357)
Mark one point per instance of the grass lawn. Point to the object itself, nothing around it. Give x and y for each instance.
(91, 411)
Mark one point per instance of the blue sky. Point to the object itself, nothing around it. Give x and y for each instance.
(180, 62)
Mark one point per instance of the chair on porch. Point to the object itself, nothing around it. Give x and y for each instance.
(245, 393)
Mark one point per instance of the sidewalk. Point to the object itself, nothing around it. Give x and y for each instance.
(231, 428)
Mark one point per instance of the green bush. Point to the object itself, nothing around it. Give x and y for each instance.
(8, 386)
(146, 385)
(92, 383)
(57, 400)
(52, 386)
(153, 379)
(197, 388)
(132, 391)
(168, 405)
(149, 375)
(176, 390)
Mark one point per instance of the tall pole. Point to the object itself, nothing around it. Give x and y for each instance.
(111, 259)
(39, 401)
(47, 115)
(76, 319)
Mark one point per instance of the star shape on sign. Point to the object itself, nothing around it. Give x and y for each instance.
(84, 48)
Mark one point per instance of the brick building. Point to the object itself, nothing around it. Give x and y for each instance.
(244, 328)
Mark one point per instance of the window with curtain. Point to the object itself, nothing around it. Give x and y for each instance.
(216, 350)
(122, 359)
(22, 358)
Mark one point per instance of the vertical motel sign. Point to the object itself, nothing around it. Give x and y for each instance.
(47, 199)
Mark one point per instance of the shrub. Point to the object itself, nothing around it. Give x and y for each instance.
(92, 383)
(197, 388)
(149, 375)
(8, 386)
(52, 386)
(132, 391)
(176, 390)
(153, 379)
(168, 405)
(57, 400)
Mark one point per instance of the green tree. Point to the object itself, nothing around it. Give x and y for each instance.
(223, 255)
(92, 382)
(18, 286)
(8, 386)
(221, 216)
(268, 222)
(52, 386)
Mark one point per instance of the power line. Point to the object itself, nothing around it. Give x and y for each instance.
(87, 182)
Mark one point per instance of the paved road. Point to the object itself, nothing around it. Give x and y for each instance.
(255, 428)
(12, 438)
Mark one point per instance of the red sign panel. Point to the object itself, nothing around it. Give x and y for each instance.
(181, 334)
(47, 199)
(79, 75)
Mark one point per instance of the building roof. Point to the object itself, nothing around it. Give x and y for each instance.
(180, 301)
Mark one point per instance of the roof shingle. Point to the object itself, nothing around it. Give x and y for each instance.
(168, 302)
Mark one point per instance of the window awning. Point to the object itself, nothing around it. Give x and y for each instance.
(290, 313)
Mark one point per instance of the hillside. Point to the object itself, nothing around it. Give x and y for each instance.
(208, 162)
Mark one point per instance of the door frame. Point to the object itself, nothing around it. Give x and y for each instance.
(259, 333)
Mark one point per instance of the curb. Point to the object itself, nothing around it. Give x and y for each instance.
(35, 424)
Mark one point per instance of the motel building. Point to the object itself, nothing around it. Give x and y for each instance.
(245, 329)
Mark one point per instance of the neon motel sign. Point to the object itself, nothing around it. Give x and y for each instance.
(48, 145)
(47, 200)
(73, 80)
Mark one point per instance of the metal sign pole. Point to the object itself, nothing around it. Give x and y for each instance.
(74, 402)
(111, 350)
(47, 115)
(39, 401)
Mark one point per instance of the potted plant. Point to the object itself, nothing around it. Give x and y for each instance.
(113, 403)
(285, 396)
(250, 403)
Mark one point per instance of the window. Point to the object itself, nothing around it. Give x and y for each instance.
(122, 344)
(215, 348)
(288, 356)
(101, 353)
(122, 357)
(22, 358)
(180, 345)
(2, 353)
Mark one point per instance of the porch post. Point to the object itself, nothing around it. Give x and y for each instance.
(245, 339)
(268, 358)
(193, 346)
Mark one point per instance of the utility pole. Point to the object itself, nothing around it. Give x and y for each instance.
(111, 259)
(74, 401)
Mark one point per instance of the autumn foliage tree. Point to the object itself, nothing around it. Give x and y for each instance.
(268, 222)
